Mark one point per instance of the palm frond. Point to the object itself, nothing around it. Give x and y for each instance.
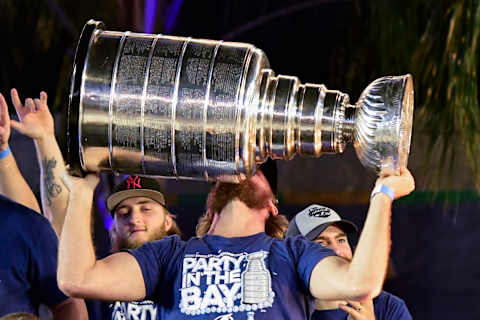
(446, 61)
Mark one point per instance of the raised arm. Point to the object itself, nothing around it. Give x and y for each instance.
(334, 278)
(117, 277)
(12, 183)
(37, 123)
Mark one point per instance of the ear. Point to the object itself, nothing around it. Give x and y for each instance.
(209, 214)
(272, 208)
(113, 233)
(168, 222)
(215, 217)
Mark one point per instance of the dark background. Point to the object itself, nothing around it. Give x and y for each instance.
(342, 44)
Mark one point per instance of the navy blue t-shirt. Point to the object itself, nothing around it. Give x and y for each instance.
(28, 260)
(213, 277)
(386, 307)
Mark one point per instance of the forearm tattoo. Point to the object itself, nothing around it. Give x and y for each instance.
(52, 189)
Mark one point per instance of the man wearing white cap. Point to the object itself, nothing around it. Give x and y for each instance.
(323, 225)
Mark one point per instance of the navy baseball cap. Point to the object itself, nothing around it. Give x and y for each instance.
(313, 220)
(135, 186)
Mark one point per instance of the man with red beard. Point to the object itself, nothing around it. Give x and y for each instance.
(252, 196)
(235, 270)
(323, 225)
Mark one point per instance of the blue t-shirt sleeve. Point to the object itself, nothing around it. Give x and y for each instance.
(153, 258)
(307, 254)
(398, 310)
(44, 265)
(388, 306)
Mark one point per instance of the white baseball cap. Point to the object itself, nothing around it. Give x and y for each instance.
(314, 219)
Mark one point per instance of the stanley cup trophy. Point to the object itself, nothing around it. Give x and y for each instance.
(200, 109)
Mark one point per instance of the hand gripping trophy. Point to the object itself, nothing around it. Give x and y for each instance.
(200, 109)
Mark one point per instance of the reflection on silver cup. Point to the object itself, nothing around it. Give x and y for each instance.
(201, 109)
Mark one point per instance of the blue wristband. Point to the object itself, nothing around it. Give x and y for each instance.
(5, 153)
(381, 188)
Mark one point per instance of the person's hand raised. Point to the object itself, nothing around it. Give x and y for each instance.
(36, 120)
(401, 184)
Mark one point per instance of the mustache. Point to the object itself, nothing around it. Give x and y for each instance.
(121, 241)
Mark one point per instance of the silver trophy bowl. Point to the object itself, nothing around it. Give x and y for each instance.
(187, 108)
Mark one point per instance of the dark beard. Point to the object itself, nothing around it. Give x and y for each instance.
(120, 243)
(246, 191)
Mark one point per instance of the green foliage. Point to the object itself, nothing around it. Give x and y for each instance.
(436, 41)
(446, 62)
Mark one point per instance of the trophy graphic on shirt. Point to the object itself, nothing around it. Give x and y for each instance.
(201, 109)
(256, 281)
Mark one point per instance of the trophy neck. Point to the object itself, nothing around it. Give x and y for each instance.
(349, 123)
(305, 119)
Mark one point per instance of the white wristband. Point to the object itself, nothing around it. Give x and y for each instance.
(381, 188)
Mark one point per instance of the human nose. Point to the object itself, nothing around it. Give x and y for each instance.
(338, 249)
(135, 216)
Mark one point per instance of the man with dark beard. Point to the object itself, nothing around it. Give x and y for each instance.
(235, 270)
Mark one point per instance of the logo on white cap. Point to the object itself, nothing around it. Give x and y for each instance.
(319, 212)
(313, 216)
